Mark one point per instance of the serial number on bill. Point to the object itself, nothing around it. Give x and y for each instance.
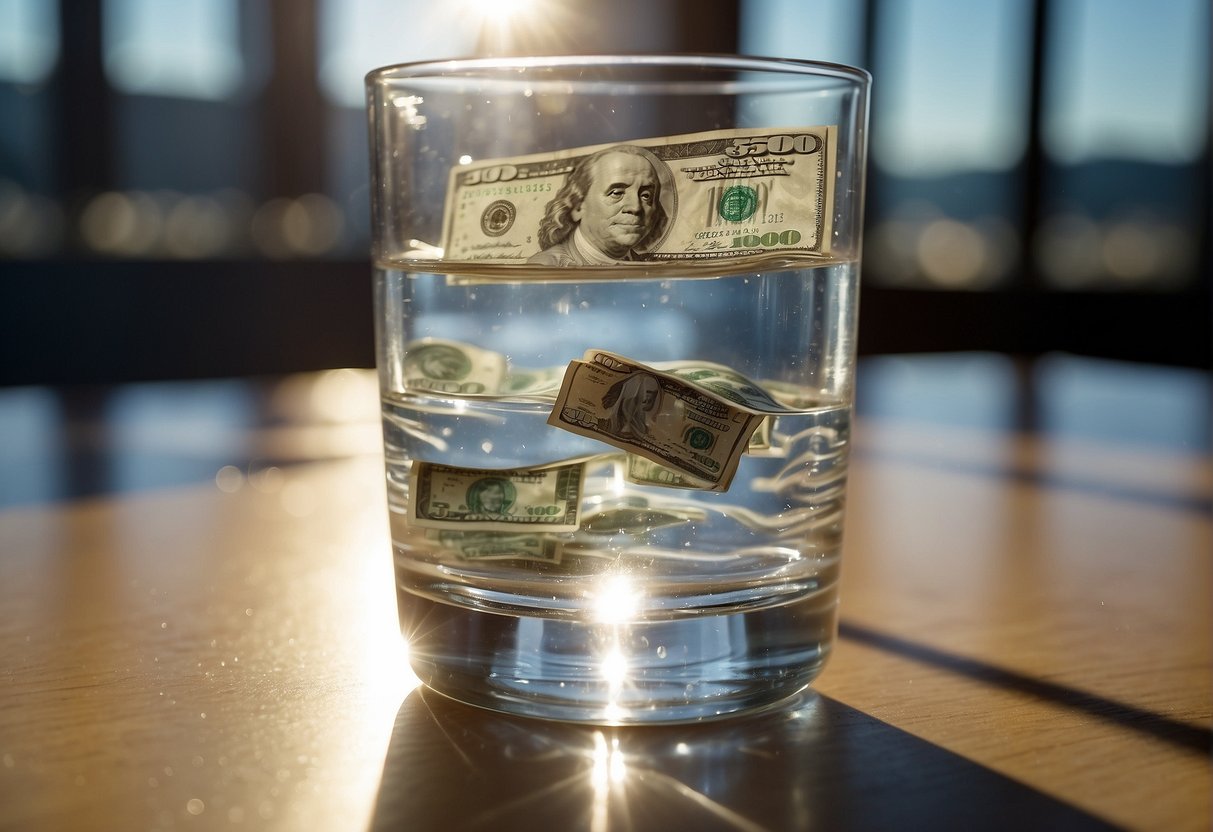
(506, 190)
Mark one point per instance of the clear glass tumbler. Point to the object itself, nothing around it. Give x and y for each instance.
(616, 303)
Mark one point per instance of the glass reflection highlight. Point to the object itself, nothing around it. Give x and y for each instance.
(609, 770)
(753, 773)
(616, 601)
(615, 669)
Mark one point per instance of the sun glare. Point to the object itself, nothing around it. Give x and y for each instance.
(499, 11)
(616, 600)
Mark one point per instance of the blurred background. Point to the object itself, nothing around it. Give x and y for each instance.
(183, 183)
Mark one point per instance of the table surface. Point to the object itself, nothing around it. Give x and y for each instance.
(197, 624)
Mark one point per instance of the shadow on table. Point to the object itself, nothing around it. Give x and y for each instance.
(814, 764)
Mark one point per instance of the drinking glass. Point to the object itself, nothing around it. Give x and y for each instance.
(616, 307)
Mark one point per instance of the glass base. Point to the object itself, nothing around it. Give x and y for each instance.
(685, 669)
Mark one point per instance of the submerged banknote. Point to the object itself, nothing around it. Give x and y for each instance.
(539, 383)
(464, 369)
(656, 415)
(443, 496)
(456, 367)
(727, 382)
(698, 196)
(510, 544)
(642, 471)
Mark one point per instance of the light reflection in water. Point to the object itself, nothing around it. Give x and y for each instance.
(615, 669)
(616, 600)
(616, 603)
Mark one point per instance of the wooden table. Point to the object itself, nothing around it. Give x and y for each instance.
(197, 630)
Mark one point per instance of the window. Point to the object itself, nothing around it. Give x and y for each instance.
(1124, 84)
(950, 128)
(31, 222)
(183, 49)
(1038, 175)
(821, 30)
(359, 35)
(1125, 128)
(29, 41)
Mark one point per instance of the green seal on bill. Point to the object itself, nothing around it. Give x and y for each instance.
(738, 203)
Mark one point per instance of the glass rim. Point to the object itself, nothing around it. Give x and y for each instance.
(453, 67)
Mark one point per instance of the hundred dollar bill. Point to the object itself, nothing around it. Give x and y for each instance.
(647, 472)
(643, 471)
(760, 440)
(464, 369)
(498, 545)
(727, 382)
(452, 367)
(698, 196)
(538, 383)
(443, 496)
(655, 415)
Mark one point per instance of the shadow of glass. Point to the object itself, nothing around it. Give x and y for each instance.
(811, 764)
